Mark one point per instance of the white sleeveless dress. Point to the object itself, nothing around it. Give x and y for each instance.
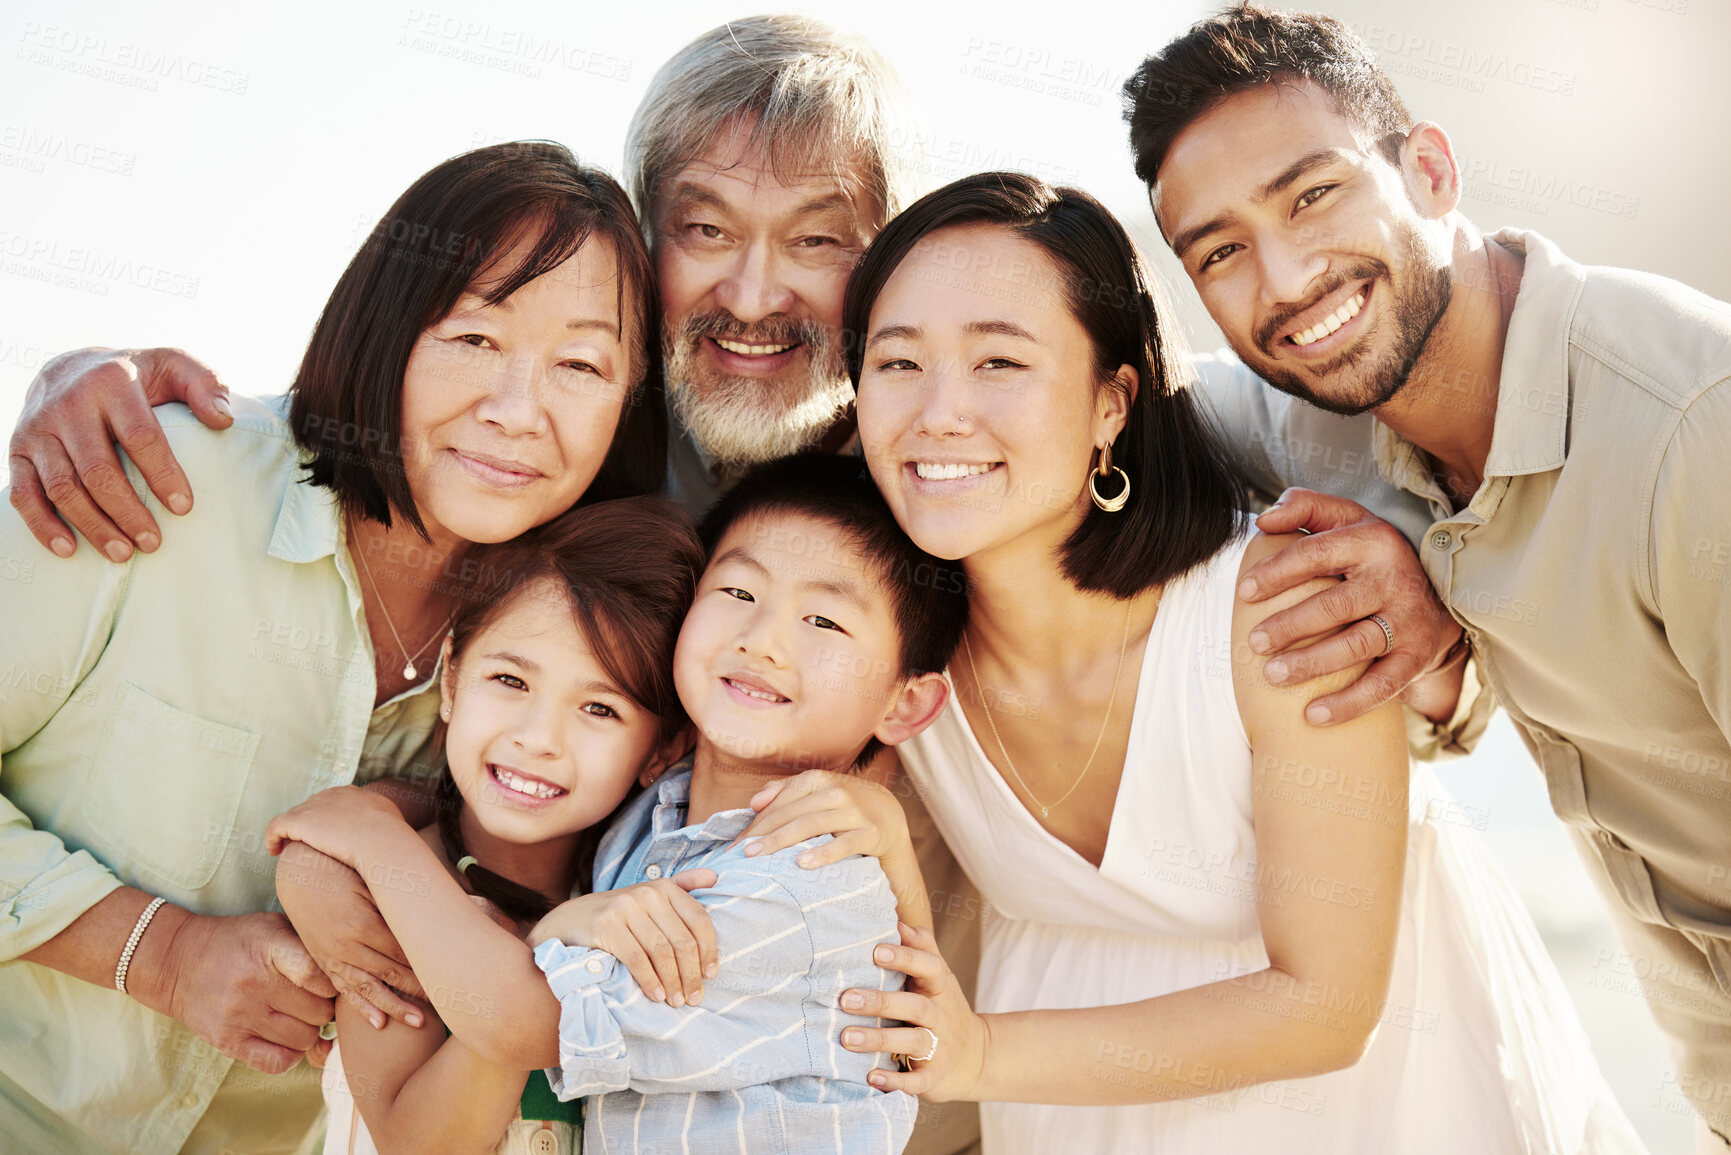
(1479, 1052)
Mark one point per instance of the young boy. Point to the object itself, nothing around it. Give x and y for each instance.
(817, 636)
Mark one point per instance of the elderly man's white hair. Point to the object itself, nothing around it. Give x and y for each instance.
(814, 98)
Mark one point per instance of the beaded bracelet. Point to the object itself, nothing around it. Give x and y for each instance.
(132, 943)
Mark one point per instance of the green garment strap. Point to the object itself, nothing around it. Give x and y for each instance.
(539, 1102)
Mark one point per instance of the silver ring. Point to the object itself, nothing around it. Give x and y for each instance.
(930, 1051)
(1387, 632)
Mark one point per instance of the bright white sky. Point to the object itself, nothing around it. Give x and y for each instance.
(199, 174)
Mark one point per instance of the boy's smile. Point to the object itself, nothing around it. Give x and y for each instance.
(790, 655)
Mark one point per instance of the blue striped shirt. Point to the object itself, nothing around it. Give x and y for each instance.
(759, 1066)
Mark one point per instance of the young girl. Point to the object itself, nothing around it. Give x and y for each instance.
(557, 702)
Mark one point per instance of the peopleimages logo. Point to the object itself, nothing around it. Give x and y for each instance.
(87, 269)
(1458, 65)
(124, 62)
(504, 49)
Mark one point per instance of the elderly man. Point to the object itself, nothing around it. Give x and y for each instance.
(1551, 437)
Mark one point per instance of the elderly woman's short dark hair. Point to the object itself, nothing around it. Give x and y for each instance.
(451, 229)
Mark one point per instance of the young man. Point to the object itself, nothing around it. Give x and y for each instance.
(1550, 436)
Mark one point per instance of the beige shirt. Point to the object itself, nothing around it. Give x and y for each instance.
(1590, 571)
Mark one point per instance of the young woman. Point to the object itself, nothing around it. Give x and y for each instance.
(465, 382)
(1214, 927)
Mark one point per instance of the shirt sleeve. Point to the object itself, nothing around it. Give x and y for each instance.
(1237, 400)
(787, 951)
(1689, 550)
(1430, 741)
(55, 616)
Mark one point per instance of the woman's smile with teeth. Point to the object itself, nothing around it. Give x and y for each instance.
(524, 785)
(1330, 323)
(745, 350)
(932, 471)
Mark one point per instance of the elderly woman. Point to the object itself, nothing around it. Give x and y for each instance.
(1216, 927)
(482, 365)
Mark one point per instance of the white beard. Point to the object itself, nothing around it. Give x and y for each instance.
(744, 421)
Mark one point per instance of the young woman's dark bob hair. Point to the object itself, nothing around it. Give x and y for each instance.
(443, 236)
(1186, 497)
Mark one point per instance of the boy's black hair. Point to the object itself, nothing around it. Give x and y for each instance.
(928, 597)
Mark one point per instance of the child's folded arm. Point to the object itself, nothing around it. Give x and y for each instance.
(405, 1081)
(786, 936)
(451, 945)
(480, 977)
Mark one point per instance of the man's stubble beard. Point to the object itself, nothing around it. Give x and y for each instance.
(1416, 314)
(744, 421)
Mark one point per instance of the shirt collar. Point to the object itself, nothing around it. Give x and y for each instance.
(308, 526)
(673, 801)
(1532, 418)
(1532, 429)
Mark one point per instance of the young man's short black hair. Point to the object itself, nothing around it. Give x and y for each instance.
(928, 597)
(1246, 47)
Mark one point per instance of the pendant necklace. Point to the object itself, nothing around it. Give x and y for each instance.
(409, 670)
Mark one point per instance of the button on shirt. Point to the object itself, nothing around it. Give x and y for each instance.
(758, 1067)
(154, 717)
(1591, 571)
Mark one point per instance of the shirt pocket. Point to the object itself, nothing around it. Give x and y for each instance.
(1716, 949)
(165, 787)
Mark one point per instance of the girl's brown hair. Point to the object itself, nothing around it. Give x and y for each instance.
(628, 570)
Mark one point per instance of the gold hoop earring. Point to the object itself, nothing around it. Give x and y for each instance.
(1109, 504)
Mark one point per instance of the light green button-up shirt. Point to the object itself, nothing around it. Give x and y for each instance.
(154, 717)
(1592, 572)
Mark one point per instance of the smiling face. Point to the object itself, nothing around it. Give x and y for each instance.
(1304, 245)
(541, 742)
(790, 655)
(752, 273)
(978, 405)
(509, 409)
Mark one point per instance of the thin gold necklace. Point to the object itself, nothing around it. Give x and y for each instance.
(1046, 807)
(409, 659)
